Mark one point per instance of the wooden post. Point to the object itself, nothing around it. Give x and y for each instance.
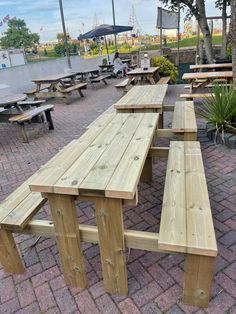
(197, 279)
(190, 136)
(68, 238)
(9, 255)
(109, 216)
(160, 13)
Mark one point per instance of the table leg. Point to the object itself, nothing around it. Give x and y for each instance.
(191, 87)
(49, 119)
(146, 175)
(68, 238)
(151, 80)
(109, 216)
(9, 255)
(197, 279)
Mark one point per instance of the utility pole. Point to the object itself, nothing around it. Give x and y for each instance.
(64, 33)
(114, 20)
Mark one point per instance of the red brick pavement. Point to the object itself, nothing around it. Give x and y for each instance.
(155, 279)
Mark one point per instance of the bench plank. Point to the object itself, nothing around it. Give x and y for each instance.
(195, 96)
(29, 114)
(200, 229)
(73, 88)
(186, 196)
(164, 80)
(172, 234)
(19, 217)
(184, 119)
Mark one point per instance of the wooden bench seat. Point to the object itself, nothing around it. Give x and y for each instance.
(100, 78)
(195, 96)
(28, 102)
(28, 115)
(15, 213)
(186, 221)
(31, 93)
(184, 120)
(164, 80)
(72, 88)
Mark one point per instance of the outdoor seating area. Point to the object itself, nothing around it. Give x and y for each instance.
(118, 159)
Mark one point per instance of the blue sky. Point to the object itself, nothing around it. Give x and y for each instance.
(43, 16)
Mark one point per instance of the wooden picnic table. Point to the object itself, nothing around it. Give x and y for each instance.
(151, 75)
(11, 100)
(56, 86)
(104, 166)
(206, 77)
(143, 97)
(211, 66)
(9, 106)
(106, 67)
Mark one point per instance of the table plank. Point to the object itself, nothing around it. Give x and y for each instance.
(125, 179)
(11, 99)
(141, 97)
(211, 66)
(208, 75)
(101, 173)
(47, 175)
(54, 77)
(140, 71)
(71, 180)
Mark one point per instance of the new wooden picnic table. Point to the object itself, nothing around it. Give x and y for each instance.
(206, 77)
(213, 66)
(104, 166)
(151, 75)
(143, 97)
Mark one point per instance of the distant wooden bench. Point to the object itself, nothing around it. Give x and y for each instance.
(78, 87)
(100, 78)
(186, 224)
(123, 84)
(28, 115)
(32, 92)
(195, 96)
(15, 213)
(164, 80)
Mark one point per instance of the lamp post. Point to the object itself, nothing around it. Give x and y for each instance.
(114, 20)
(64, 33)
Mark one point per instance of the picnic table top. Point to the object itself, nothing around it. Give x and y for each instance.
(141, 71)
(208, 75)
(141, 97)
(11, 99)
(54, 77)
(106, 161)
(106, 65)
(211, 66)
(87, 71)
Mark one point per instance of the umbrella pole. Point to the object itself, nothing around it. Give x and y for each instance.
(108, 58)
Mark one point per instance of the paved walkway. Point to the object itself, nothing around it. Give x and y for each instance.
(155, 280)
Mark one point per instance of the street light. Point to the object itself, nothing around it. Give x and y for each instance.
(114, 20)
(64, 33)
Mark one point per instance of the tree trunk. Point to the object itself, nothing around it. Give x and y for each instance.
(233, 21)
(201, 17)
(224, 30)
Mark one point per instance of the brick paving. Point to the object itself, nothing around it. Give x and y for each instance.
(155, 279)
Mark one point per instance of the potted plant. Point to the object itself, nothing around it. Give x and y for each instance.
(220, 111)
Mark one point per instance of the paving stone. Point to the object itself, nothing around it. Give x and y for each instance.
(85, 303)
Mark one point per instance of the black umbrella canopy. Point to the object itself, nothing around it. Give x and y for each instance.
(105, 29)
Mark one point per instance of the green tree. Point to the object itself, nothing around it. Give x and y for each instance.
(222, 5)
(18, 35)
(198, 9)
